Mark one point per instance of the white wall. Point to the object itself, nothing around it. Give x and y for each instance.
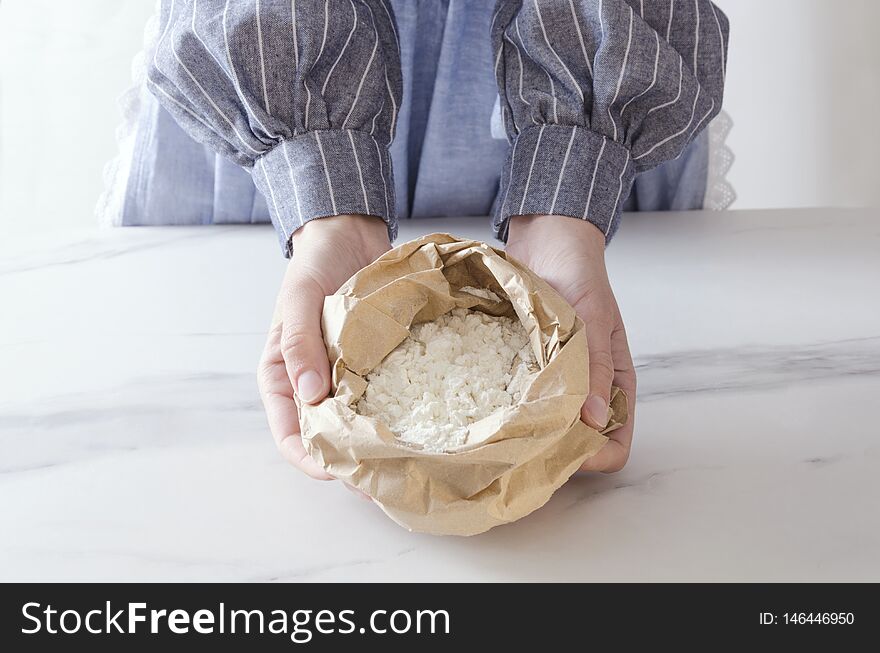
(63, 63)
(803, 88)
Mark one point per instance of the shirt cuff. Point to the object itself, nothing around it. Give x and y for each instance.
(325, 173)
(565, 170)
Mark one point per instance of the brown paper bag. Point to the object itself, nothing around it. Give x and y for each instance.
(513, 460)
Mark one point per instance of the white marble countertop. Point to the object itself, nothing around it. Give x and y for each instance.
(133, 445)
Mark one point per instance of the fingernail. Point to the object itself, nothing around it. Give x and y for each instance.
(597, 409)
(309, 386)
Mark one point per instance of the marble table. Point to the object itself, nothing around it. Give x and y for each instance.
(133, 445)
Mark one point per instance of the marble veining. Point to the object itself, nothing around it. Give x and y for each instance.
(753, 367)
(97, 248)
(133, 445)
(89, 424)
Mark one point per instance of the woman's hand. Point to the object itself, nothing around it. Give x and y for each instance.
(326, 253)
(569, 254)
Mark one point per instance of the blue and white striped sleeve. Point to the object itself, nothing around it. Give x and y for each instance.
(594, 92)
(304, 93)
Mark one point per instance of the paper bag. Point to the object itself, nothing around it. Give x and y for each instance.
(514, 459)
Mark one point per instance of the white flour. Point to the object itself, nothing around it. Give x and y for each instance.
(448, 374)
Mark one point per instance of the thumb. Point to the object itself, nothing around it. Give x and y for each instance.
(595, 410)
(302, 343)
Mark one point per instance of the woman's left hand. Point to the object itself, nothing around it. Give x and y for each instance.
(569, 254)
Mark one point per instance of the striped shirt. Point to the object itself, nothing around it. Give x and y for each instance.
(306, 93)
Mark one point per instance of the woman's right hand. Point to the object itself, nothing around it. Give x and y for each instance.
(326, 252)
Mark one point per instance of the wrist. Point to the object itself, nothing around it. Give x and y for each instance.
(558, 229)
(366, 232)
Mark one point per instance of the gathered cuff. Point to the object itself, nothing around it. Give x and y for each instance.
(325, 173)
(564, 170)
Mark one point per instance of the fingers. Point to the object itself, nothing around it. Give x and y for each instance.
(595, 409)
(276, 392)
(609, 459)
(613, 456)
(301, 342)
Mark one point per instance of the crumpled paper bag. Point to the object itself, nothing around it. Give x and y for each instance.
(513, 460)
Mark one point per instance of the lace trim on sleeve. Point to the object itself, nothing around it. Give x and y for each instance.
(720, 194)
(116, 172)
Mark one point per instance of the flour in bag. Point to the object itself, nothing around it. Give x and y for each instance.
(448, 374)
